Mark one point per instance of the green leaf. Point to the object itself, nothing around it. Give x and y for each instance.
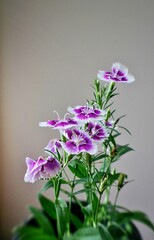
(117, 231)
(125, 129)
(42, 220)
(31, 233)
(87, 233)
(135, 215)
(111, 139)
(105, 234)
(100, 156)
(79, 181)
(48, 184)
(84, 190)
(76, 221)
(62, 215)
(98, 176)
(48, 206)
(95, 201)
(119, 119)
(78, 168)
(121, 150)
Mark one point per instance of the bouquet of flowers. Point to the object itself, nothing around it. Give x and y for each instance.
(81, 161)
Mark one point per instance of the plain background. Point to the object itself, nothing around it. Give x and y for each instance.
(51, 51)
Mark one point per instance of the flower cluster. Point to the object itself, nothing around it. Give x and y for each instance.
(82, 133)
(79, 134)
(87, 147)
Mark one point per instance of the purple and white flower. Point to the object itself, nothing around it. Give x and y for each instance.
(49, 123)
(118, 73)
(41, 168)
(65, 124)
(53, 146)
(86, 113)
(77, 142)
(59, 124)
(96, 131)
(109, 123)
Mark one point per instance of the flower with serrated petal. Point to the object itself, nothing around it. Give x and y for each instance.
(77, 142)
(41, 168)
(119, 73)
(53, 146)
(96, 131)
(59, 124)
(86, 113)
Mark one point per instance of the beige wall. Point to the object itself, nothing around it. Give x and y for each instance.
(51, 51)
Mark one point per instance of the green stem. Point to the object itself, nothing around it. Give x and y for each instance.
(98, 206)
(90, 193)
(115, 202)
(106, 199)
(70, 200)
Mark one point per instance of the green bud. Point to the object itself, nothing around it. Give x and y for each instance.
(108, 114)
(121, 180)
(110, 89)
(97, 85)
(103, 184)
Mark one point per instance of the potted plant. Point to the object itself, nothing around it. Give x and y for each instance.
(81, 161)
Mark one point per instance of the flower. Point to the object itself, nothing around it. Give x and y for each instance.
(119, 73)
(96, 131)
(65, 123)
(59, 124)
(41, 168)
(49, 123)
(78, 142)
(53, 146)
(86, 113)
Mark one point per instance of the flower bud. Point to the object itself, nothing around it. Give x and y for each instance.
(121, 180)
(103, 184)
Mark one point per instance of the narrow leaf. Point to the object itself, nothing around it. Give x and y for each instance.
(48, 206)
(47, 185)
(42, 220)
(31, 233)
(87, 233)
(105, 234)
(135, 215)
(62, 215)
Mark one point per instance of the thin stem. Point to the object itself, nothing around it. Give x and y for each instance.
(115, 202)
(98, 206)
(70, 200)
